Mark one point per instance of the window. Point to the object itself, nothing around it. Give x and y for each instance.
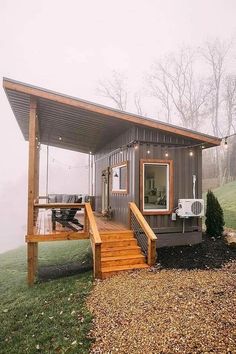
(157, 186)
(120, 178)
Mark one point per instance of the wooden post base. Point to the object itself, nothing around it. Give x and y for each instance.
(32, 249)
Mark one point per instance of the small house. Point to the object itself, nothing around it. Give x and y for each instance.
(143, 171)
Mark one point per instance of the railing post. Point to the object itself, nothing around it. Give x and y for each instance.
(95, 241)
(151, 252)
(33, 175)
(97, 261)
(86, 222)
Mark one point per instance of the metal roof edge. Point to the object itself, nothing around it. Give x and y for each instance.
(19, 86)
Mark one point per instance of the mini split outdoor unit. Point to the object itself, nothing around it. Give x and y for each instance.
(190, 207)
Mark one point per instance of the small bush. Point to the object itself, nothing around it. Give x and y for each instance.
(214, 216)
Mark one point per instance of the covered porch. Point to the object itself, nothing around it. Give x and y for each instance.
(61, 121)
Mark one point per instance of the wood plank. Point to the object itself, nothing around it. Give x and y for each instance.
(105, 224)
(31, 263)
(109, 271)
(97, 267)
(63, 236)
(59, 205)
(33, 186)
(119, 243)
(32, 175)
(92, 224)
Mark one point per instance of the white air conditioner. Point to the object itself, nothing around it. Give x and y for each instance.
(190, 207)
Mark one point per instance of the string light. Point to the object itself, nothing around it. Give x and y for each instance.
(190, 153)
(60, 138)
(166, 154)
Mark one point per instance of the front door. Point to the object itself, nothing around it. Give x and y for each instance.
(105, 190)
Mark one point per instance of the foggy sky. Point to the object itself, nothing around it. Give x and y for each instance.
(67, 46)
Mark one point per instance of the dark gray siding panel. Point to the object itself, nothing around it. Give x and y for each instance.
(158, 143)
(109, 156)
(185, 167)
(178, 239)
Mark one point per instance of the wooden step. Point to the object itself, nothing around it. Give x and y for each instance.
(122, 260)
(118, 235)
(109, 271)
(114, 232)
(127, 242)
(121, 251)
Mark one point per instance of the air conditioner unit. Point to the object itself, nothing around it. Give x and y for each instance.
(190, 207)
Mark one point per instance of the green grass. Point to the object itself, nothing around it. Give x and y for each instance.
(227, 198)
(50, 317)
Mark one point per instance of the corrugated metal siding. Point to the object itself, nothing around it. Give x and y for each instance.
(185, 167)
(118, 202)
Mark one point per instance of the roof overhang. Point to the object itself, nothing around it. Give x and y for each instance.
(83, 126)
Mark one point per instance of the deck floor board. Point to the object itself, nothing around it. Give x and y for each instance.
(44, 224)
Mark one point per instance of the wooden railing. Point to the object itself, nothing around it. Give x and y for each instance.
(90, 231)
(96, 242)
(148, 238)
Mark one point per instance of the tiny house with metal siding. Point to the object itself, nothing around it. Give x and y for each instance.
(136, 146)
(136, 159)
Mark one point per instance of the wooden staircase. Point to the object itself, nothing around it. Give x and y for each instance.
(120, 252)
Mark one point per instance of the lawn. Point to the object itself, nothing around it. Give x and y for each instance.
(50, 317)
(227, 198)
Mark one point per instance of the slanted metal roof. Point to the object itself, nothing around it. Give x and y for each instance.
(83, 126)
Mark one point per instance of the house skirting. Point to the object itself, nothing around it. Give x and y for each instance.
(178, 239)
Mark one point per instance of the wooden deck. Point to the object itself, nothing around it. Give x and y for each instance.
(44, 224)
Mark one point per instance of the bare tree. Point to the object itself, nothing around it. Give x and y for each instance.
(160, 87)
(138, 105)
(174, 83)
(115, 89)
(229, 95)
(215, 54)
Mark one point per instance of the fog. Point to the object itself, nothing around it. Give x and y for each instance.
(67, 46)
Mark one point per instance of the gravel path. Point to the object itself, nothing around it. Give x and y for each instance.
(166, 311)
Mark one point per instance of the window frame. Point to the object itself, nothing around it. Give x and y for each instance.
(170, 185)
(120, 191)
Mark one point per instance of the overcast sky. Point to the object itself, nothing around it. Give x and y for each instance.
(67, 46)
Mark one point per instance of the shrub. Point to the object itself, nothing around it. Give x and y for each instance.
(214, 216)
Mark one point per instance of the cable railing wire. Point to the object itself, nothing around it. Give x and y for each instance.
(139, 234)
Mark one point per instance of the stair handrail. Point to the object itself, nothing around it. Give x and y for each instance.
(151, 237)
(96, 242)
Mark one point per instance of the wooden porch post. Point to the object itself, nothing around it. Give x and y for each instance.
(33, 188)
